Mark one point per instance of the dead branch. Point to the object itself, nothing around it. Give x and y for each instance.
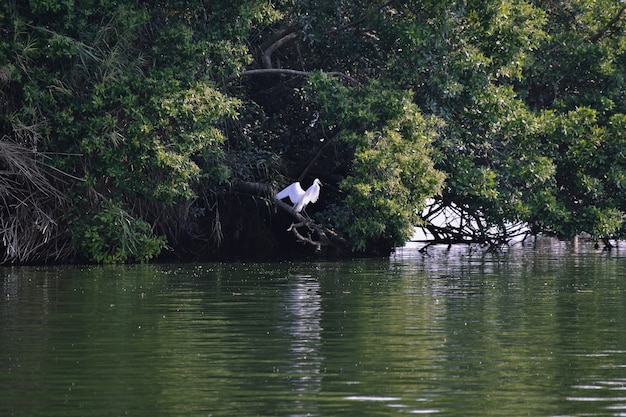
(294, 229)
(304, 229)
(324, 236)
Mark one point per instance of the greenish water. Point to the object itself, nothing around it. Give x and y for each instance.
(538, 331)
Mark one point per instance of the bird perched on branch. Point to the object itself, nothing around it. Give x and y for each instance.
(300, 198)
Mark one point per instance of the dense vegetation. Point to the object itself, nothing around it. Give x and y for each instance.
(131, 130)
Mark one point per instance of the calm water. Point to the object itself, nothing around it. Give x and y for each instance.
(538, 331)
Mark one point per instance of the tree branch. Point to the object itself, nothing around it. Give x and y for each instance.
(256, 188)
(600, 33)
(325, 236)
(267, 53)
(294, 229)
(284, 71)
(317, 155)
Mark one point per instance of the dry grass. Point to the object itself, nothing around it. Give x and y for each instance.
(30, 207)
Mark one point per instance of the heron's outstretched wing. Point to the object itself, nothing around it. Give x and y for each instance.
(293, 191)
(310, 196)
(313, 192)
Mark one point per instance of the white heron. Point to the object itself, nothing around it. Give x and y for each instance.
(300, 198)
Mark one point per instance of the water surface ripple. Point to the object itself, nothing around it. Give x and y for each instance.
(539, 330)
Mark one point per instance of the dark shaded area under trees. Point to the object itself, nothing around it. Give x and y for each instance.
(141, 130)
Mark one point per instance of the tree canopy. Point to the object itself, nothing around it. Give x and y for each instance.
(132, 130)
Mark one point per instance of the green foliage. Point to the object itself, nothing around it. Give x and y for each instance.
(120, 96)
(600, 222)
(530, 130)
(390, 181)
(520, 105)
(590, 163)
(110, 234)
(391, 172)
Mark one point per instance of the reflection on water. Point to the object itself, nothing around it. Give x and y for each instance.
(303, 325)
(540, 330)
(606, 387)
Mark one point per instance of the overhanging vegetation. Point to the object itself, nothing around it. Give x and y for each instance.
(142, 130)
